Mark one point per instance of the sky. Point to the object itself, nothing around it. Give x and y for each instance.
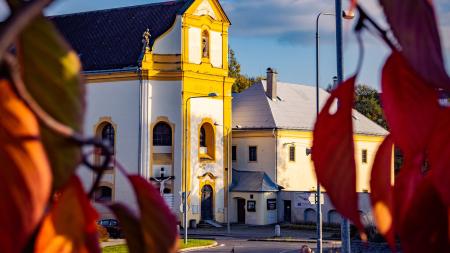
(281, 34)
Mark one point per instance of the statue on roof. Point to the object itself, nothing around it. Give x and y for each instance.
(146, 39)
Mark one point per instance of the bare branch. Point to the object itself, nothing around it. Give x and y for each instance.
(18, 21)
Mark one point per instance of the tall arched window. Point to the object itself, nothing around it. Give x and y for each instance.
(206, 141)
(162, 135)
(205, 44)
(108, 135)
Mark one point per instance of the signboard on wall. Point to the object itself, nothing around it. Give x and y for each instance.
(271, 204)
(306, 200)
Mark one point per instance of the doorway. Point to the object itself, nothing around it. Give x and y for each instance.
(241, 211)
(207, 203)
(287, 211)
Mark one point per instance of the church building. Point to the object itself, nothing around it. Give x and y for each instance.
(158, 90)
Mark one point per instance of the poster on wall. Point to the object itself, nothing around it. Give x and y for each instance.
(303, 200)
(251, 206)
(271, 204)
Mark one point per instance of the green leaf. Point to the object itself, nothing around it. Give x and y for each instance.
(51, 71)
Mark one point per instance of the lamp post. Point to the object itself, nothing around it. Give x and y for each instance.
(318, 191)
(345, 227)
(185, 175)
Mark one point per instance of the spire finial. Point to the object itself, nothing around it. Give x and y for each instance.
(146, 38)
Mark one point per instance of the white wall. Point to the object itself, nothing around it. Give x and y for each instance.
(194, 38)
(261, 216)
(215, 49)
(200, 109)
(120, 102)
(164, 100)
(169, 42)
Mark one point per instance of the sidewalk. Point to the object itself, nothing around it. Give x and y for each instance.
(257, 232)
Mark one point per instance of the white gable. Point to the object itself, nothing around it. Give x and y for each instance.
(205, 9)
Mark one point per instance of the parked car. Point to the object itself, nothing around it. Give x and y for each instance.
(112, 226)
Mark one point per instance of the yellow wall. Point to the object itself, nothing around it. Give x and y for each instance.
(297, 175)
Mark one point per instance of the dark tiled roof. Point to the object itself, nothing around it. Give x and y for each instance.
(112, 39)
(252, 181)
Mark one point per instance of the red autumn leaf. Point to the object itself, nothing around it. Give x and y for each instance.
(426, 223)
(409, 104)
(70, 227)
(333, 152)
(414, 25)
(131, 227)
(439, 155)
(25, 175)
(406, 184)
(382, 196)
(159, 225)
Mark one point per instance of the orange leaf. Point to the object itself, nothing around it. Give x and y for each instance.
(25, 175)
(333, 152)
(382, 191)
(410, 106)
(70, 227)
(439, 156)
(159, 225)
(426, 223)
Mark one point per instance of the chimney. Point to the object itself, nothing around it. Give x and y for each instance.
(271, 89)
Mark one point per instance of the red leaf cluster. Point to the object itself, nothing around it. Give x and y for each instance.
(417, 207)
(333, 152)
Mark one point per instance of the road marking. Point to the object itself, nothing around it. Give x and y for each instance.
(222, 245)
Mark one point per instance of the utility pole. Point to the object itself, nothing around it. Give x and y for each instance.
(345, 227)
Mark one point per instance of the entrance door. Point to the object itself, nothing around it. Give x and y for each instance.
(241, 211)
(207, 203)
(287, 211)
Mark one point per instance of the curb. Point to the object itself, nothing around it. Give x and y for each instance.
(286, 240)
(199, 247)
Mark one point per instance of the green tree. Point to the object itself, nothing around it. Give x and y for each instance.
(367, 102)
(242, 82)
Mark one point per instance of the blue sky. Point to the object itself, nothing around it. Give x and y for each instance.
(280, 34)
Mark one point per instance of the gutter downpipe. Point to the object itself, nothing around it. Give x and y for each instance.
(275, 135)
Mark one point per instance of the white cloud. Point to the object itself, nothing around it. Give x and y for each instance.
(291, 21)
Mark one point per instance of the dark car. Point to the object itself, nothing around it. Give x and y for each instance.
(112, 226)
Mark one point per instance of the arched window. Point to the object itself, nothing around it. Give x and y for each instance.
(162, 135)
(103, 194)
(206, 141)
(108, 135)
(310, 215)
(334, 217)
(205, 44)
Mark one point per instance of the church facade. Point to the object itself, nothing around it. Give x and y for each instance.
(158, 91)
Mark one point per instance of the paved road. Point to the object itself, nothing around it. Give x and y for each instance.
(244, 246)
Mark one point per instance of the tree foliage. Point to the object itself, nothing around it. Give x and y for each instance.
(242, 82)
(367, 102)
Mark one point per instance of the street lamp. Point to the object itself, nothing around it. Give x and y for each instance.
(345, 15)
(185, 175)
